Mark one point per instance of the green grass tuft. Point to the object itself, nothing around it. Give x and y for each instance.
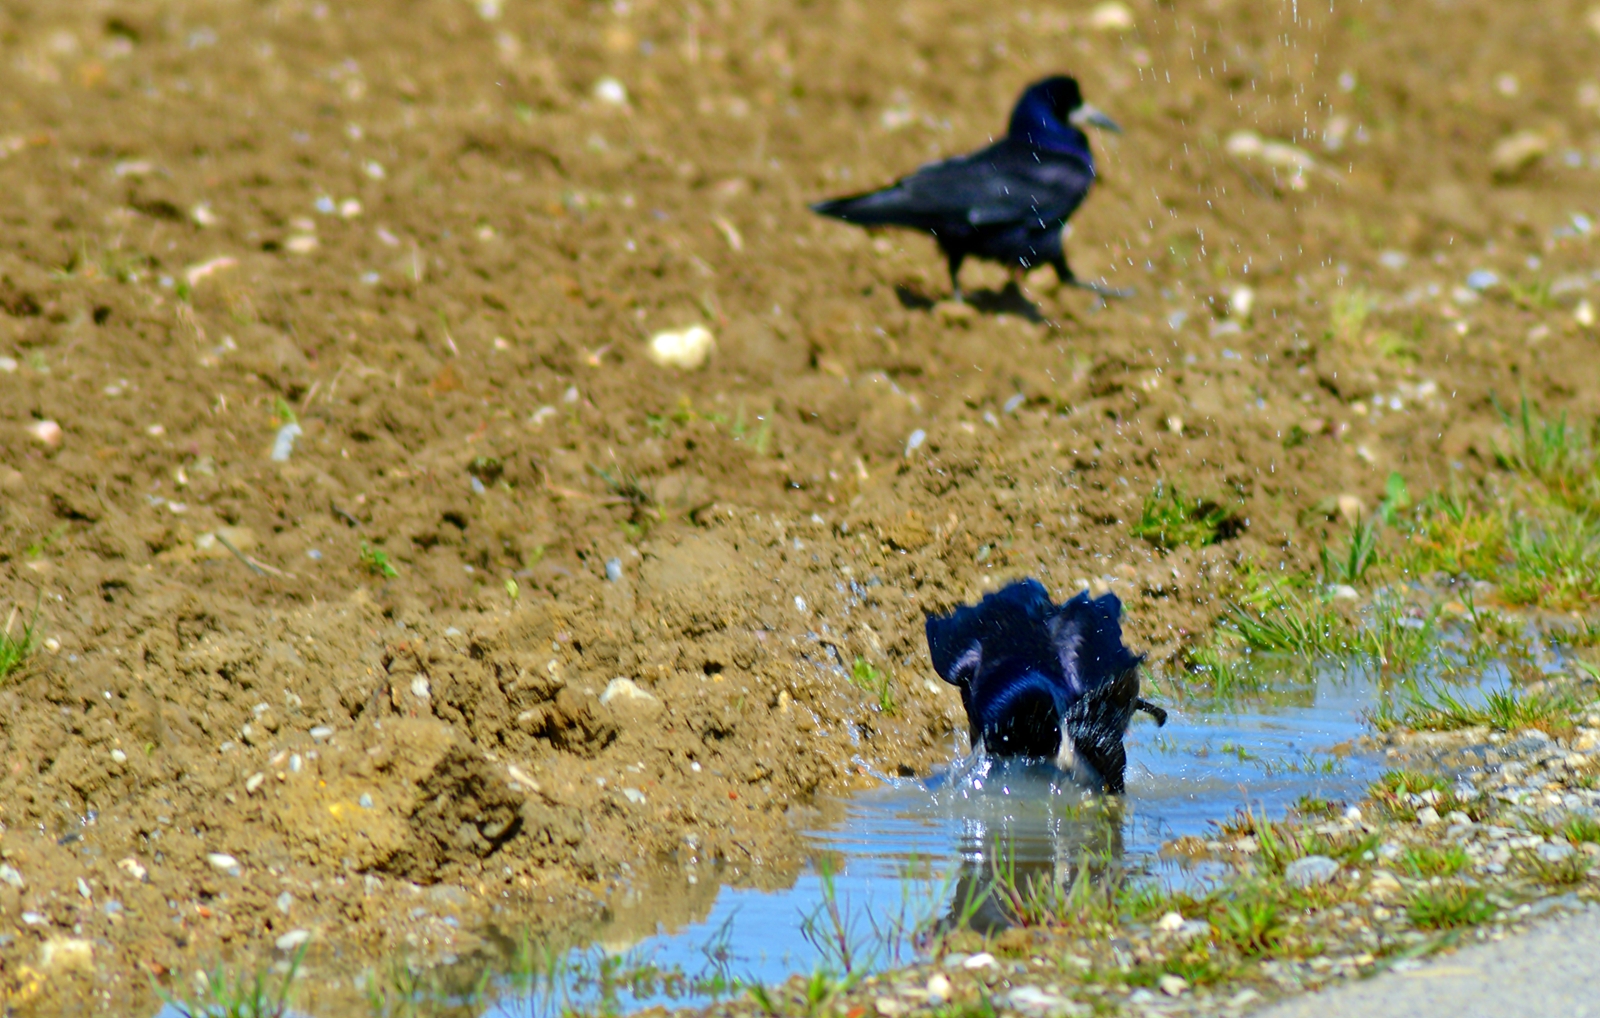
(869, 678)
(1450, 907)
(1437, 709)
(376, 561)
(219, 994)
(1169, 520)
(15, 650)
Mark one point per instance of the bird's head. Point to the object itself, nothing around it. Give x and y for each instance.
(1052, 114)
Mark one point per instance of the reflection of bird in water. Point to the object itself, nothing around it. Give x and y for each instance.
(1011, 876)
(1044, 681)
(1007, 203)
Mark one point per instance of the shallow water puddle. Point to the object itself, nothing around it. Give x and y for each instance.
(889, 862)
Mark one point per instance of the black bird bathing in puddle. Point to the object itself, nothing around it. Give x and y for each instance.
(1008, 203)
(1044, 681)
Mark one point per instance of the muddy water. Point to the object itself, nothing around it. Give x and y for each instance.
(912, 852)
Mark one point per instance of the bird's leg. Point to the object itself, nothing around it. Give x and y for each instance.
(1065, 274)
(955, 276)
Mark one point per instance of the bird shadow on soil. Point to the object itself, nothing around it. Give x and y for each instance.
(1008, 300)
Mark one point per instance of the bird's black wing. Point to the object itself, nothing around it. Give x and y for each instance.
(1006, 183)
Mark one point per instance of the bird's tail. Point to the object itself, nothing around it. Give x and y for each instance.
(875, 208)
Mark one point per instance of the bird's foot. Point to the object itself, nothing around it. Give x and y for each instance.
(1101, 290)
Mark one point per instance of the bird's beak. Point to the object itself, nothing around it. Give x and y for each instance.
(1085, 115)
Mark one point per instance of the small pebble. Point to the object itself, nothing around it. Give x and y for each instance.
(634, 796)
(283, 444)
(1172, 985)
(611, 92)
(224, 863)
(1584, 314)
(46, 433)
(365, 800)
(300, 243)
(293, 939)
(915, 441)
(1110, 16)
(83, 890)
(1311, 871)
(285, 902)
(1482, 279)
(614, 569)
(420, 688)
(35, 919)
(254, 782)
(118, 756)
(982, 960)
(133, 868)
(10, 875)
(686, 349)
(321, 733)
(1240, 302)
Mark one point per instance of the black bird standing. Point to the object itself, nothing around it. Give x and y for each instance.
(1042, 680)
(1007, 203)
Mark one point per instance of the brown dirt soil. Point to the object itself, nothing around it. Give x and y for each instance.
(460, 332)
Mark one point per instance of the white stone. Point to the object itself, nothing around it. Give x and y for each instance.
(982, 960)
(1172, 922)
(628, 690)
(1172, 985)
(46, 433)
(685, 349)
(1311, 871)
(611, 92)
(1110, 16)
(224, 862)
(293, 939)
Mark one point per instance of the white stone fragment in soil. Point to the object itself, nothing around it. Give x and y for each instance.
(1172, 985)
(133, 868)
(46, 433)
(1241, 302)
(939, 986)
(293, 939)
(685, 349)
(1584, 314)
(67, 954)
(1427, 816)
(1034, 1002)
(1110, 16)
(982, 960)
(611, 92)
(915, 441)
(283, 444)
(10, 875)
(223, 863)
(1311, 871)
(623, 689)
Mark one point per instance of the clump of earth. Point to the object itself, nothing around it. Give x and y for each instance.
(516, 609)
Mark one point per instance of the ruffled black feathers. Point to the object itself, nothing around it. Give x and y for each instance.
(1044, 680)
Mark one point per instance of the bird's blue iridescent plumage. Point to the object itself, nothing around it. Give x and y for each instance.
(1006, 203)
(1033, 673)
